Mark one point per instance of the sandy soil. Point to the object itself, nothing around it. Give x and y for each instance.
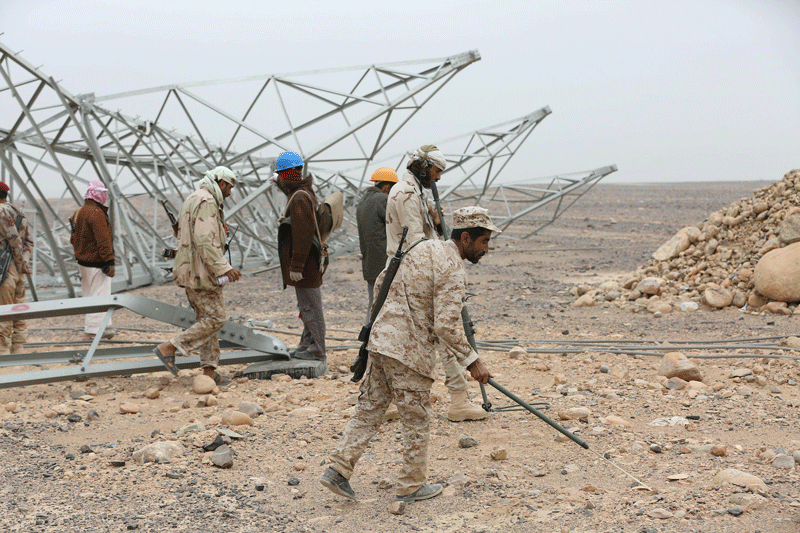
(546, 483)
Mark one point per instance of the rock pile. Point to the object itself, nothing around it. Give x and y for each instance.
(745, 254)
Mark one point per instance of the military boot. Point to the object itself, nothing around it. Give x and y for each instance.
(461, 409)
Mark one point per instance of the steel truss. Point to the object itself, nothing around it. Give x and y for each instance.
(52, 143)
(249, 345)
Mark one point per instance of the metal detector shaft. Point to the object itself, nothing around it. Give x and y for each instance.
(555, 425)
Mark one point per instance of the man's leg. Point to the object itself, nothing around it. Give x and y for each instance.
(411, 392)
(19, 334)
(309, 301)
(456, 382)
(8, 290)
(373, 400)
(209, 309)
(94, 283)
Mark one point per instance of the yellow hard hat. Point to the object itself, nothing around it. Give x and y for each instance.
(384, 174)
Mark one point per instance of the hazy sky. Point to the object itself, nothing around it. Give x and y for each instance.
(667, 90)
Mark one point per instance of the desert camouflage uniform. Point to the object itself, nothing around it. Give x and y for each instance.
(14, 334)
(200, 259)
(423, 308)
(407, 206)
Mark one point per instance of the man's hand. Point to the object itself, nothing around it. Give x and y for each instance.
(233, 275)
(295, 276)
(434, 215)
(479, 371)
(110, 272)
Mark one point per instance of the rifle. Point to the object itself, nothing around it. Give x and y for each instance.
(172, 219)
(359, 366)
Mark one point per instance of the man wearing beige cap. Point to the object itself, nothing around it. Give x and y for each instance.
(408, 207)
(422, 310)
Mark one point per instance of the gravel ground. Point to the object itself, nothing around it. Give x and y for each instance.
(58, 475)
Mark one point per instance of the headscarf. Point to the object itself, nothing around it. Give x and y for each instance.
(207, 183)
(430, 153)
(97, 192)
(291, 174)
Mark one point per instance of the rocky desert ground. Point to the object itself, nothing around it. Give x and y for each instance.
(719, 449)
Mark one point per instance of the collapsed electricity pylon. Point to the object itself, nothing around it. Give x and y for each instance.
(52, 143)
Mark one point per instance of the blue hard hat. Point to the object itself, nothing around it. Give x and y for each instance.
(288, 160)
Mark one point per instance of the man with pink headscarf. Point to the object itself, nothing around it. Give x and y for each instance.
(94, 249)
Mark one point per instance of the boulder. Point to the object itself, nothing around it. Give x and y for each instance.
(777, 274)
(677, 365)
(203, 384)
(717, 297)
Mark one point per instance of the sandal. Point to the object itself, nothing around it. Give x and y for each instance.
(167, 361)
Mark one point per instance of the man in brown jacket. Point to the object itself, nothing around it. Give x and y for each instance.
(300, 257)
(94, 249)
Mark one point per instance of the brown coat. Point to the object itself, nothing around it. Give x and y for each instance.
(91, 235)
(295, 248)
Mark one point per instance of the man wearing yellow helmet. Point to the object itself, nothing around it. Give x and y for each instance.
(371, 218)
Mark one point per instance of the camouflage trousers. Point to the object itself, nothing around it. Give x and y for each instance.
(12, 291)
(209, 310)
(388, 379)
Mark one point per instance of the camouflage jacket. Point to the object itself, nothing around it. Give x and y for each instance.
(20, 241)
(201, 240)
(407, 206)
(422, 310)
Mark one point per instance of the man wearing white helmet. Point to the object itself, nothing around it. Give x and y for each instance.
(199, 264)
(408, 206)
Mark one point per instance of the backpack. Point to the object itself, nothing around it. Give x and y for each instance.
(329, 216)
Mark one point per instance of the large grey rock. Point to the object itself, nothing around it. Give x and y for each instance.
(676, 365)
(777, 274)
(783, 461)
(789, 230)
(158, 452)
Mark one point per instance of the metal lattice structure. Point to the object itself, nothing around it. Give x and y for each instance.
(53, 142)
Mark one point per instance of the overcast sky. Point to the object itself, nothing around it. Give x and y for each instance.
(666, 90)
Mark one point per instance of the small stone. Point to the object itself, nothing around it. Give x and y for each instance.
(63, 409)
(397, 507)
(299, 466)
(465, 441)
(736, 511)
(251, 409)
(74, 418)
(385, 483)
(129, 408)
(236, 418)
(203, 384)
(152, 393)
(604, 369)
(517, 352)
(689, 307)
(92, 415)
(222, 457)
(293, 481)
(11, 407)
(499, 455)
(677, 365)
(719, 450)
(158, 452)
(739, 479)
(783, 461)
(615, 420)
(659, 513)
(575, 413)
(116, 463)
(655, 448)
(190, 428)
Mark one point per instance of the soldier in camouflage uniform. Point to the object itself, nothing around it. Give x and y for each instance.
(422, 310)
(199, 262)
(408, 206)
(13, 335)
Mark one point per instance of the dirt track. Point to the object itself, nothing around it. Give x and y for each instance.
(522, 295)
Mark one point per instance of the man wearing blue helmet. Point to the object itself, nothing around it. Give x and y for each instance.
(300, 258)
